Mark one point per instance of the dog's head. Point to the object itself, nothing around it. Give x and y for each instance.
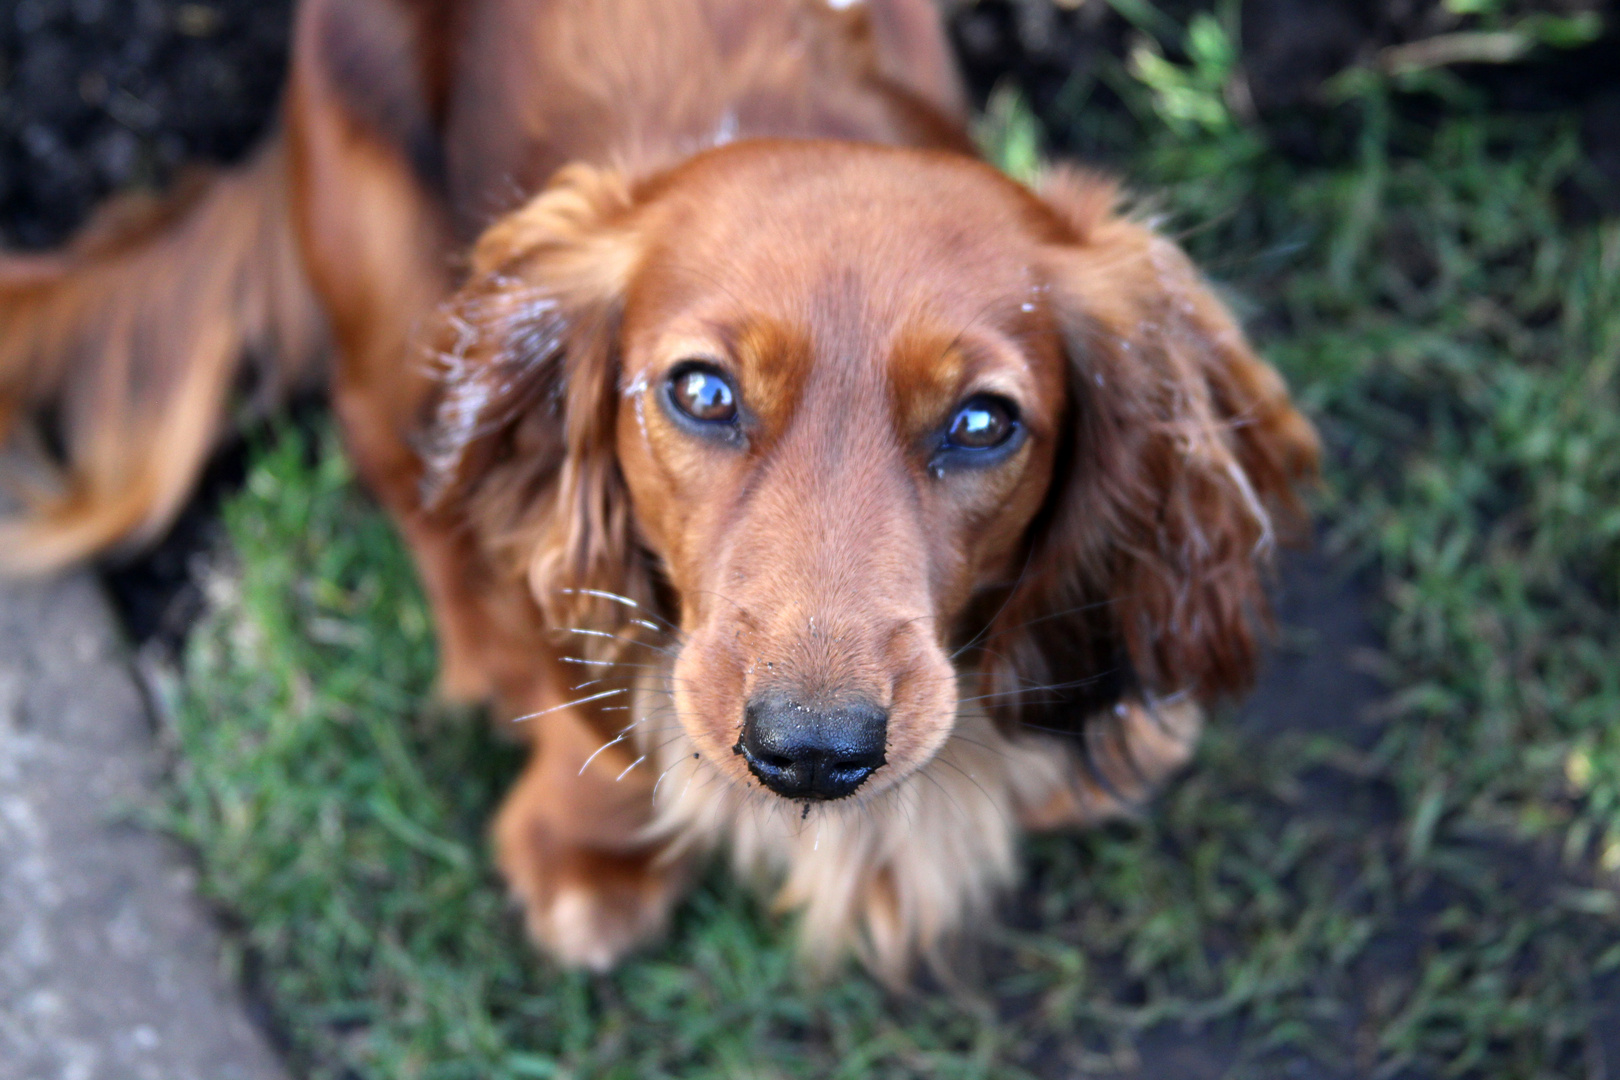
(860, 421)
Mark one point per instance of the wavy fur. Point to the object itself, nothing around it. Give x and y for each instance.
(118, 356)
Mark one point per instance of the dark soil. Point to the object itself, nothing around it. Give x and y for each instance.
(97, 95)
(1318, 685)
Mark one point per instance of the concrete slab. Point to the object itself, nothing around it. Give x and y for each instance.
(109, 965)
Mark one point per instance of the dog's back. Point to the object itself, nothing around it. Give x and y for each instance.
(640, 86)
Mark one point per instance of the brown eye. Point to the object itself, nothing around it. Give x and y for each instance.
(703, 393)
(982, 423)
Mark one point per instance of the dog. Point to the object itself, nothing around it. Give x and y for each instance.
(796, 483)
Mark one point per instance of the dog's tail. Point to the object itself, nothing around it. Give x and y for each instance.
(118, 354)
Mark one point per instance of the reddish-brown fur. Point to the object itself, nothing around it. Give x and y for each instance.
(517, 216)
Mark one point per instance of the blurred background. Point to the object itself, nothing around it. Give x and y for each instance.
(1399, 860)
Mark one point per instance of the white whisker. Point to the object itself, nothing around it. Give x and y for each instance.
(666, 772)
(629, 603)
(605, 595)
(570, 704)
(616, 637)
(619, 738)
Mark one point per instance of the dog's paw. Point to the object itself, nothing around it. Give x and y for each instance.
(586, 908)
(1128, 757)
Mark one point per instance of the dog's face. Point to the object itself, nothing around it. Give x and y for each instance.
(863, 407)
(833, 434)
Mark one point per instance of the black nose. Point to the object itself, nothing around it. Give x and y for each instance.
(812, 753)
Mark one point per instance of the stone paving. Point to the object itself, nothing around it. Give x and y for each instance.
(109, 965)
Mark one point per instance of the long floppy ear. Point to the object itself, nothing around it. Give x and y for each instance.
(519, 443)
(1183, 455)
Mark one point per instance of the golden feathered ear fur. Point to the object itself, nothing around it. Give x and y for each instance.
(520, 442)
(1147, 568)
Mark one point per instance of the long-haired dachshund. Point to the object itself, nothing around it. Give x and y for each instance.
(804, 486)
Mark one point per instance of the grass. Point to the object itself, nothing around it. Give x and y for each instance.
(1450, 912)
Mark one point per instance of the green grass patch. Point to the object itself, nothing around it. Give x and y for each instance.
(1453, 914)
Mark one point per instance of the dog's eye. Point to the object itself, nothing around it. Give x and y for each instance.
(983, 432)
(982, 423)
(703, 394)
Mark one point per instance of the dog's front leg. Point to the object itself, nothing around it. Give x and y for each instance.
(569, 840)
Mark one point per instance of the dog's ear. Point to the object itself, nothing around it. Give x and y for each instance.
(519, 442)
(1180, 465)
